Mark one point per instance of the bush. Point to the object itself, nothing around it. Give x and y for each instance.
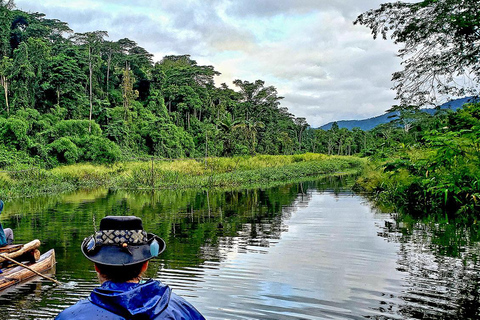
(99, 150)
(65, 151)
(13, 133)
(168, 140)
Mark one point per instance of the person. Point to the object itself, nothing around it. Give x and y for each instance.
(6, 235)
(121, 251)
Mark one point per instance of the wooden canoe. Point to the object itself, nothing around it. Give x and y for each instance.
(15, 274)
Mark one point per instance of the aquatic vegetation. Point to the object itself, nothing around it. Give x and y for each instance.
(234, 172)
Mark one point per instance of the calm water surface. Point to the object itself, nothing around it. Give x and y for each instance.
(308, 251)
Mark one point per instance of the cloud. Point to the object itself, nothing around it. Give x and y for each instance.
(268, 8)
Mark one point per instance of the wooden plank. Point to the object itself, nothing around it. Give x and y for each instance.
(10, 248)
(32, 245)
(18, 274)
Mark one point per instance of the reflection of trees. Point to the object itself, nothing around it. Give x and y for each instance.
(195, 224)
(442, 269)
(201, 228)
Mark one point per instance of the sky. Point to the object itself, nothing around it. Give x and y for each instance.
(326, 68)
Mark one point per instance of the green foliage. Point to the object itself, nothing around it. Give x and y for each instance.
(82, 86)
(13, 159)
(65, 151)
(167, 140)
(440, 177)
(99, 150)
(236, 172)
(75, 128)
(13, 133)
(439, 46)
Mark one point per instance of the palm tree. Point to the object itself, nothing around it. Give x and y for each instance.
(228, 126)
(250, 130)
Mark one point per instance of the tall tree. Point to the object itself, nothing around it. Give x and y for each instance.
(65, 78)
(228, 126)
(250, 130)
(256, 98)
(301, 124)
(92, 41)
(5, 23)
(109, 49)
(185, 87)
(440, 46)
(29, 68)
(6, 65)
(128, 93)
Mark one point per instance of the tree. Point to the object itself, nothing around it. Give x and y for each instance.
(65, 78)
(301, 124)
(5, 74)
(406, 116)
(250, 131)
(109, 48)
(127, 89)
(29, 66)
(256, 98)
(228, 126)
(5, 24)
(92, 41)
(185, 86)
(441, 46)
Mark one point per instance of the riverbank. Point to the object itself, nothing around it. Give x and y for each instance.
(235, 172)
(418, 184)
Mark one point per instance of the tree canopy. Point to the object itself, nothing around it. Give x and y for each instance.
(440, 47)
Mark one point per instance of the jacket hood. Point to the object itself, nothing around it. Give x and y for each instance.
(149, 299)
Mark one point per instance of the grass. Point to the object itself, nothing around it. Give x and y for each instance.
(235, 172)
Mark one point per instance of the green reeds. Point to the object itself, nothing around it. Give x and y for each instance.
(236, 172)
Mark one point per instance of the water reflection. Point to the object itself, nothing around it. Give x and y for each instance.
(302, 251)
(441, 266)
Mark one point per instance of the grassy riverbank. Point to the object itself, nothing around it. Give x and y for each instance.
(236, 172)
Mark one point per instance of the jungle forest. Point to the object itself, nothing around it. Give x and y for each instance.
(72, 98)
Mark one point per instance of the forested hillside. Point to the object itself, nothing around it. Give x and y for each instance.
(70, 97)
(371, 123)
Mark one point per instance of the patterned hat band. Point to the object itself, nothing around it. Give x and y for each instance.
(119, 237)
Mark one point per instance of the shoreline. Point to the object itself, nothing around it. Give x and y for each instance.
(210, 173)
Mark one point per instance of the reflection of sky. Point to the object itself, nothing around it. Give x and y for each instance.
(330, 263)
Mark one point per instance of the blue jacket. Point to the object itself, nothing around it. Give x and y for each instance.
(3, 240)
(148, 300)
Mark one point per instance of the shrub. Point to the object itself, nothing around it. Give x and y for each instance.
(13, 132)
(65, 151)
(99, 149)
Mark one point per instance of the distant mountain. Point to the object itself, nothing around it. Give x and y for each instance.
(370, 123)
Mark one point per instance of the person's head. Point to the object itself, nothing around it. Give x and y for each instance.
(128, 273)
(121, 248)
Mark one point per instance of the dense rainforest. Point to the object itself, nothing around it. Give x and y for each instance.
(77, 97)
(70, 97)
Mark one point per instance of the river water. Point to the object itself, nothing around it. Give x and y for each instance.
(302, 251)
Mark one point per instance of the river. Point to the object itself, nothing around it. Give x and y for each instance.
(302, 251)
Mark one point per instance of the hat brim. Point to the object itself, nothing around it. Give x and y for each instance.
(114, 255)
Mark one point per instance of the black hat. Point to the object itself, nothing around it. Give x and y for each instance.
(122, 241)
